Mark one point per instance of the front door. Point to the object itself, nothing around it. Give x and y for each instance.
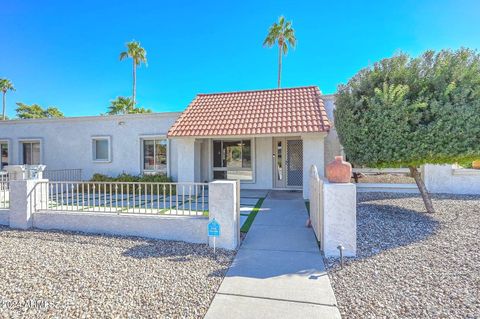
(287, 162)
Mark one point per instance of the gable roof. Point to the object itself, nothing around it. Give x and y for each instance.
(276, 111)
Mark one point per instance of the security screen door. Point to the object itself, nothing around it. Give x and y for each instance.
(288, 162)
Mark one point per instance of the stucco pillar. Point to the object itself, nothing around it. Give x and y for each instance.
(187, 155)
(340, 219)
(313, 154)
(25, 197)
(224, 206)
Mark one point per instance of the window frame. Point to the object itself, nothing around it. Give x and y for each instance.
(22, 141)
(96, 138)
(142, 159)
(214, 169)
(9, 150)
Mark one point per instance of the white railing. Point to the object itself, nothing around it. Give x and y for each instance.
(123, 198)
(57, 175)
(316, 203)
(4, 190)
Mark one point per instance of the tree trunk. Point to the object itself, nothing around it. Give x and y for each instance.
(279, 63)
(4, 105)
(134, 83)
(423, 190)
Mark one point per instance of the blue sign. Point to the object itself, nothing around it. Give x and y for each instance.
(213, 228)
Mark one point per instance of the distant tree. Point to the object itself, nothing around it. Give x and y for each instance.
(5, 86)
(35, 111)
(124, 105)
(405, 111)
(282, 34)
(139, 56)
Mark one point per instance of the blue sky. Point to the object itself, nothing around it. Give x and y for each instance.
(65, 53)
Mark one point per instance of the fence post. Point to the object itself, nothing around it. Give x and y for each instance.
(23, 201)
(223, 206)
(339, 219)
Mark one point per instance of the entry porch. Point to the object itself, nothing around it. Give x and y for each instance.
(279, 162)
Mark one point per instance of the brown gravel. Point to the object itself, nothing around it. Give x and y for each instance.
(385, 178)
(411, 264)
(71, 275)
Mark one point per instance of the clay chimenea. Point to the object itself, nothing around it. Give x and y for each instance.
(339, 171)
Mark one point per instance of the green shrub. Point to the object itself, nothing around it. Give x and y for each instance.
(405, 111)
(128, 178)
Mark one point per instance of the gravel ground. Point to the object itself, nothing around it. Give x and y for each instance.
(412, 264)
(71, 275)
(384, 178)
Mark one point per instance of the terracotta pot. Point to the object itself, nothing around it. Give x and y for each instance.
(476, 164)
(339, 171)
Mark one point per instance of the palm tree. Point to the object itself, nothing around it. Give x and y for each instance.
(283, 34)
(138, 55)
(124, 105)
(5, 85)
(121, 105)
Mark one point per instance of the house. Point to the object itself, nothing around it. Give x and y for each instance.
(267, 139)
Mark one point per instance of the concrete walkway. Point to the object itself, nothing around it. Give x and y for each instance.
(278, 271)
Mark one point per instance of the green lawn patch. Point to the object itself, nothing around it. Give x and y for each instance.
(251, 217)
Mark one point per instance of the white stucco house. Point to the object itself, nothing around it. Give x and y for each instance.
(267, 138)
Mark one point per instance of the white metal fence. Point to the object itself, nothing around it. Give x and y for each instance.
(63, 175)
(4, 190)
(189, 199)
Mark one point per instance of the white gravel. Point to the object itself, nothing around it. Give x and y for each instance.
(412, 264)
(66, 275)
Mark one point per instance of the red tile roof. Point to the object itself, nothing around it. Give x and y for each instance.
(277, 111)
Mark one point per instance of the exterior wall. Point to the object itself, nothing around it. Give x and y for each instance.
(263, 165)
(332, 143)
(313, 154)
(4, 217)
(189, 229)
(452, 180)
(67, 143)
(187, 156)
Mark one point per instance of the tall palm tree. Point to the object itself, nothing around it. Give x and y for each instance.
(139, 56)
(282, 33)
(5, 85)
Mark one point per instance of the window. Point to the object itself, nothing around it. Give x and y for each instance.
(30, 153)
(232, 159)
(101, 149)
(155, 155)
(3, 154)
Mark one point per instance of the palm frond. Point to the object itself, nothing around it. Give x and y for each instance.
(123, 55)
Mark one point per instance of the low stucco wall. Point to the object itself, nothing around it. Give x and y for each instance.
(182, 228)
(452, 180)
(4, 217)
